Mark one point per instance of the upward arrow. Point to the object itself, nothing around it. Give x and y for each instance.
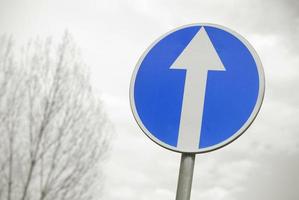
(197, 59)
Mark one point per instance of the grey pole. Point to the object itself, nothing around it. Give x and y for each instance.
(185, 176)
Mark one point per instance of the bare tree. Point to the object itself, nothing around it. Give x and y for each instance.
(53, 128)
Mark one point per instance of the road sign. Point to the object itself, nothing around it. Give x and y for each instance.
(197, 88)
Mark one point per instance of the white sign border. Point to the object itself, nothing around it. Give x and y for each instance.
(245, 126)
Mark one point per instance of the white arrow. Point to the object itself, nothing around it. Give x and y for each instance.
(197, 59)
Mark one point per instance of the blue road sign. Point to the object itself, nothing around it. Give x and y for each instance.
(197, 88)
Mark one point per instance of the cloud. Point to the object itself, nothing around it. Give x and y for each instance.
(252, 166)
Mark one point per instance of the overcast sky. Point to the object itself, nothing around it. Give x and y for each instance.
(262, 164)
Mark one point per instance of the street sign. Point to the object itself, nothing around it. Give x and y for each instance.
(197, 88)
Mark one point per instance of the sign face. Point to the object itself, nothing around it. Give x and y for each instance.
(197, 88)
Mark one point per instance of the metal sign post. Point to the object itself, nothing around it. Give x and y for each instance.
(185, 176)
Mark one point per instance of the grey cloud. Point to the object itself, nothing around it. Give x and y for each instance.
(274, 178)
